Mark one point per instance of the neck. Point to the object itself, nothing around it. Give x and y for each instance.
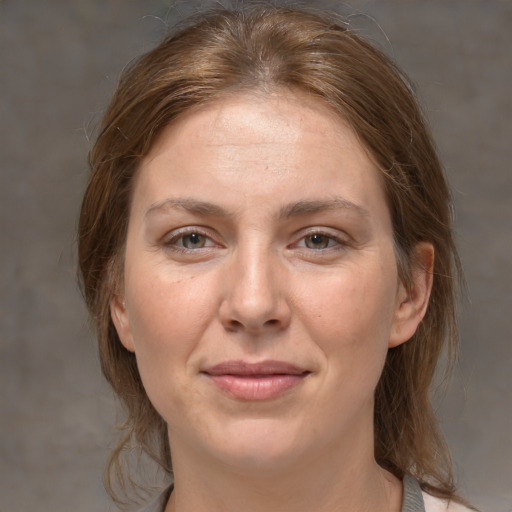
(323, 484)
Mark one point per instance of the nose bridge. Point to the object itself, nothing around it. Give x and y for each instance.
(255, 298)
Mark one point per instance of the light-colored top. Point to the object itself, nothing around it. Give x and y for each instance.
(433, 504)
(414, 500)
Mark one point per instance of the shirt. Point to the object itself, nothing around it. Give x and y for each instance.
(414, 500)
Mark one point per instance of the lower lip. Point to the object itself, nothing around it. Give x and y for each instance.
(255, 388)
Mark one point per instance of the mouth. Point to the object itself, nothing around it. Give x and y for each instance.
(265, 380)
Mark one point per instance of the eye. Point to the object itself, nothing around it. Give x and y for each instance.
(319, 241)
(188, 241)
(193, 240)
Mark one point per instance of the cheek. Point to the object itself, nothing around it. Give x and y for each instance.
(167, 315)
(164, 304)
(350, 316)
(350, 302)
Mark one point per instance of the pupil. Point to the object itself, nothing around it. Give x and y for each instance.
(317, 241)
(193, 240)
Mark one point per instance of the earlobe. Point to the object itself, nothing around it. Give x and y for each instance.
(121, 320)
(412, 301)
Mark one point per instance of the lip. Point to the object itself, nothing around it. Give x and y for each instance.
(264, 380)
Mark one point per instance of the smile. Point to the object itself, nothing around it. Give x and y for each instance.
(255, 381)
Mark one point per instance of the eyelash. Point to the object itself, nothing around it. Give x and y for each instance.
(333, 242)
(172, 242)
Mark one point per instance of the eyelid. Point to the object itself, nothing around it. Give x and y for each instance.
(341, 240)
(169, 239)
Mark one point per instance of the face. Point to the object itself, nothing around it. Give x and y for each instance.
(260, 286)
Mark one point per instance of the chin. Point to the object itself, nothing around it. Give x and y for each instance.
(260, 446)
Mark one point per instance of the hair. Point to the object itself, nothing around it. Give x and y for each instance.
(267, 49)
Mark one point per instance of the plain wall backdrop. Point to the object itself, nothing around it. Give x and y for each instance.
(59, 62)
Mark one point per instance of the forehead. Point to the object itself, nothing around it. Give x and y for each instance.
(263, 147)
(263, 117)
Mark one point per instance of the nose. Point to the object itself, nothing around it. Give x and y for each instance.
(255, 296)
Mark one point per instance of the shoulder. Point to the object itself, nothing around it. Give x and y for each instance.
(433, 504)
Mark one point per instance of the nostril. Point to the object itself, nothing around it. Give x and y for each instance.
(234, 325)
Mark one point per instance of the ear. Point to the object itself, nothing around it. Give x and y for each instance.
(412, 301)
(121, 319)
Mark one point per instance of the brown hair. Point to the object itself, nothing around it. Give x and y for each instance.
(263, 49)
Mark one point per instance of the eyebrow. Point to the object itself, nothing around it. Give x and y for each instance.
(316, 206)
(205, 208)
(191, 205)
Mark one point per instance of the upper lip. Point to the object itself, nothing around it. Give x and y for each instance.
(244, 368)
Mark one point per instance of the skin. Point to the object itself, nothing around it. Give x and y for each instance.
(259, 230)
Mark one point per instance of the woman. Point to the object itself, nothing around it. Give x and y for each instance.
(265, 247)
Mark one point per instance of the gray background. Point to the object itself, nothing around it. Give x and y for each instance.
(59, 63)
